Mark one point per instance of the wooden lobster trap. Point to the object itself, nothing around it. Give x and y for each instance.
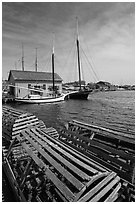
(110, 148)
(42, 169)
(14, 121)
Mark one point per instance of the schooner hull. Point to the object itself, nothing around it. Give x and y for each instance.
(83, 95)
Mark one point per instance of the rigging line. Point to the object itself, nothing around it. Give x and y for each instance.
(29, 65)
(72, 72)
(91, 58)
(93, 77)
(69, 54)
(86, 63)
(83, 77)
(48, 63)
(90, 65)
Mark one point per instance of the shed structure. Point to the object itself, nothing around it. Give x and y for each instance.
(23, 83)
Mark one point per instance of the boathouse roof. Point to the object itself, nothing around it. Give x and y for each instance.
(19, 75)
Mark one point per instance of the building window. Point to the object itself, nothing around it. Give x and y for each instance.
(44, 86)
(50, 88)
(56, 88)
(29, 86)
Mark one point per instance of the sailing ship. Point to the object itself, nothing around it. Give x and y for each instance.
(37, 96)
(83, 92)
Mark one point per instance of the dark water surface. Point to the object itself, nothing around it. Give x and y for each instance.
(114, 110)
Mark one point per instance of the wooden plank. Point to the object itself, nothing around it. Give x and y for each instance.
(39, 162)
(101, 153)
(121, 153)
(98, 162)
(60, 195)
(73, 151)
(111, 197)
(105, 190)
(69, 165)
(23, 127)
(68, 194)
(93, 179)
(60, 186)
(19, 119)
(93, 191)
(74, 159)
(115, 151)
(54, 163)
(85, 139)
(12, 112)
(27, 122)
(27, 119)
(124, 136)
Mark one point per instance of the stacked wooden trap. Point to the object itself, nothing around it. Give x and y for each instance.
(42, 169)
(14, 121)
(113, 149)
(44, 166)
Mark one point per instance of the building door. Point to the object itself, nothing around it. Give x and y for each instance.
(12, 90)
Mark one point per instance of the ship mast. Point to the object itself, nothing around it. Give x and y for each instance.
(36, 62)
(77, 42)
(22, 57)
(53, 66)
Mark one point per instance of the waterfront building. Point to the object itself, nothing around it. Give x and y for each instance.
(23, 83)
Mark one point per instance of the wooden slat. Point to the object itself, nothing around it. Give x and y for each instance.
(27, 119)
(105, 164)
(56, 165)
(105, 190)
(61, 187)
(31, 154)
(93, 179)
(69, 165)
(116, 134)
(77, 161)
(104, 146)
(100, 152)
(23, 127)
(97, 187)
(28, 116)
(73, 151)
(26, 123)
(111, 197)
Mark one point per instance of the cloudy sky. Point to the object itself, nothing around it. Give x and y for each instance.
(106, 34)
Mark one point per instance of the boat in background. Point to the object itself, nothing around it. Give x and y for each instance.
(40, 99)
(83, 92)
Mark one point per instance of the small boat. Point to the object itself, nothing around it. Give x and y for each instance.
(83, 92)
(40, 99)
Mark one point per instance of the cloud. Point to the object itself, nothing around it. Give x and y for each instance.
(106, 32)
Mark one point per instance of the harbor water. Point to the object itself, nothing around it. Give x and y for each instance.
(112, 109)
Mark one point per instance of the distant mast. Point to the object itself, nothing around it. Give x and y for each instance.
(36, 62)
(22, 57)
(53, 66)
(77, 42)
